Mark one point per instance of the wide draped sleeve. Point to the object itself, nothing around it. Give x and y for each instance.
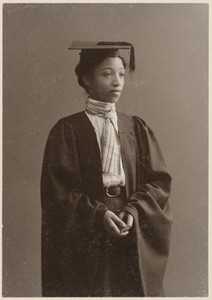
(150, 207)
(69, 215)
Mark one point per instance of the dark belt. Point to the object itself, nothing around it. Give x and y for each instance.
(114, 191)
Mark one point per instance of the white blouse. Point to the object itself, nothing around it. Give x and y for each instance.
(98, 124)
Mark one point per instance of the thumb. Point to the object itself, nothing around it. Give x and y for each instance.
(130, 220)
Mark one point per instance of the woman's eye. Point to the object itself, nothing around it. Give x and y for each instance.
(106, 74)
(122, 74)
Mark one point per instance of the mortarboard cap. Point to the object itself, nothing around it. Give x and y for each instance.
(109, 49)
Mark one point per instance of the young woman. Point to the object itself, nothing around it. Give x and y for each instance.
(105, 213)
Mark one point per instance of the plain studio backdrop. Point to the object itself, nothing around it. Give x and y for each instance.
(169, 91)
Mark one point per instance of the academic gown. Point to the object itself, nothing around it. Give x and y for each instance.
(72, 198)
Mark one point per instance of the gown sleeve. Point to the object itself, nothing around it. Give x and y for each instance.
(150, 208)
(66, 209)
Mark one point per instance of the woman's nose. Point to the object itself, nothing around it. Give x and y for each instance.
(116, 81)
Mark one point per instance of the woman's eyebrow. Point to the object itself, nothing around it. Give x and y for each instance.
(111, 68)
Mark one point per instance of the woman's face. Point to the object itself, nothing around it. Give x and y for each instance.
(107, 80)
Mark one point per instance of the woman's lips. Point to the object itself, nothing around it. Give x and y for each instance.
(117, 92)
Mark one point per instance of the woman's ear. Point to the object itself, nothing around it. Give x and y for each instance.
(87, 80)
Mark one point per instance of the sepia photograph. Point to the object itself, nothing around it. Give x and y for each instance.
(105, 149)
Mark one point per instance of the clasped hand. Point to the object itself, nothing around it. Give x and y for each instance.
(115, 225)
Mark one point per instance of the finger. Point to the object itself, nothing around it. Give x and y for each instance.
(126, 228)
(118, 221)
(115, 232)
(122, 234)
(130, 220)
(122, 215)
(114, 229)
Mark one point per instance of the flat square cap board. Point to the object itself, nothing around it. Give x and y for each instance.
(89, 46)
(78, 45)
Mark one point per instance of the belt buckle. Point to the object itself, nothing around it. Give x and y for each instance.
(110, 195)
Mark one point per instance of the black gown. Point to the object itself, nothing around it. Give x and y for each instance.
(74, 243)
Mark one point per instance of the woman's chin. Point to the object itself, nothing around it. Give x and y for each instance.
(112, 99)
(109, 99)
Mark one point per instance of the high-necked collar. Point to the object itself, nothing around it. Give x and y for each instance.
(100, 108)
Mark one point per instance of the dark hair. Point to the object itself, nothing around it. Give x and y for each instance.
(90, 59)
